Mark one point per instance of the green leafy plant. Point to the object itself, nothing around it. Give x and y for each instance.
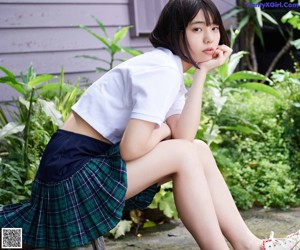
(289, 111)
(221, 83)
(123, 227)
(292, 18)
(164, 201)
(112, 45)
(261, 169)
(26, 126)
(251, 20)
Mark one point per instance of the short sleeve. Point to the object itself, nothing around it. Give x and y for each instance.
(178, 105)
(154, 91)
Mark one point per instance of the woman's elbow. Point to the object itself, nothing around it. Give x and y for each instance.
(129, 153)
(183, 136)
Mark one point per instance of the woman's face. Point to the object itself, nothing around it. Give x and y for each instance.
(202, 39)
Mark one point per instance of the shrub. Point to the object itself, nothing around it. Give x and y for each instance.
(26, 127)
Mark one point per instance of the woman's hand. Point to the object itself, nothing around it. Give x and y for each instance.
(185, 126)
(220, 56)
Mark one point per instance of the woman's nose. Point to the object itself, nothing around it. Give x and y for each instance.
(207, 38)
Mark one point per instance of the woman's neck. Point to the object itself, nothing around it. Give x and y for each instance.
(185, 65)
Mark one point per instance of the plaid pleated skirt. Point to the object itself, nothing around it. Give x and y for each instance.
(77, 196)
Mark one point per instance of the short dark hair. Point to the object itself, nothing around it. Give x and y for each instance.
(169, 31)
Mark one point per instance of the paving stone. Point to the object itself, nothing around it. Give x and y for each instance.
(173, 235)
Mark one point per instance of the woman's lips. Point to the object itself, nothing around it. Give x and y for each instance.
(209, 51)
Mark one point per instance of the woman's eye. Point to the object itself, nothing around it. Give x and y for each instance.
(197, 29)
(215, 28)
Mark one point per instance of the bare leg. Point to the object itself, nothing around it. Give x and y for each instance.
(178, 159)
(201, 195)
(231, 223)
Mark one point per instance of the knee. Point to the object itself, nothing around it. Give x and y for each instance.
(201, 147)
(189, 156)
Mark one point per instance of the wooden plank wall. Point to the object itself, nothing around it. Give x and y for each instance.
(45, 34)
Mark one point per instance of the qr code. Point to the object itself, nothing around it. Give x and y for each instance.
(11, 238)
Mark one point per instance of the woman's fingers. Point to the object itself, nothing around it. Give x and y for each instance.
(225, 49)
(221, 54)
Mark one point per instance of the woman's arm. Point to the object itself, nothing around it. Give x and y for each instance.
(140, 137)
(185, 126)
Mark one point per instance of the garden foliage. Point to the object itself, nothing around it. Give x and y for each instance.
(26, 127)
(250, 122)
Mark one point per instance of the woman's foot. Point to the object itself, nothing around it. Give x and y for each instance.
(291, 242)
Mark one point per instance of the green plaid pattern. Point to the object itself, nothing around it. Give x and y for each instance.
(79, 209)
(143, 199)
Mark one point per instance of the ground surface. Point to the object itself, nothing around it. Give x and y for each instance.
(173, 236)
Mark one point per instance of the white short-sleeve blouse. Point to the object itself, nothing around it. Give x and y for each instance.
(149, 87)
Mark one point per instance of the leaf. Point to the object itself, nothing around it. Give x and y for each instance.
(7, 72)
(232, 13)
(261, 87)
(259, 16)
(167, 205)
(296, 44)
(280, 75)
(30, 74)
(293, 18)
(269, 18)
(294, 80)
(233, 35)
(24, 102)
(39, 80)
(287, 16)
(243, 129)
(114, 48)
(234, 61)
(223, 71)
(51, 111)
(100, 24)
(133, 52)
(101, 39)
(149, 224)
(120, 34)
(218, 100)
(211, 134)
(259, 33)
(122, 227)
(57, 86)
(243, 22)
(12, 82)
(247, 75)
(11, 128)
(101, 69)
(28, 182)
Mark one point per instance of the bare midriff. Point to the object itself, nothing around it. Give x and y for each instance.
(76, 124)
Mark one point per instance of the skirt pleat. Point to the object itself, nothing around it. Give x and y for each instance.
(79, 209)
(75, 211)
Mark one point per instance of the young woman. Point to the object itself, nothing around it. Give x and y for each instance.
(131, 131)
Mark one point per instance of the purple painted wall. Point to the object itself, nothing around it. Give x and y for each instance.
(45, 34)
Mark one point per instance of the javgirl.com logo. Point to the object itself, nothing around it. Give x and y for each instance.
(272, 5)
